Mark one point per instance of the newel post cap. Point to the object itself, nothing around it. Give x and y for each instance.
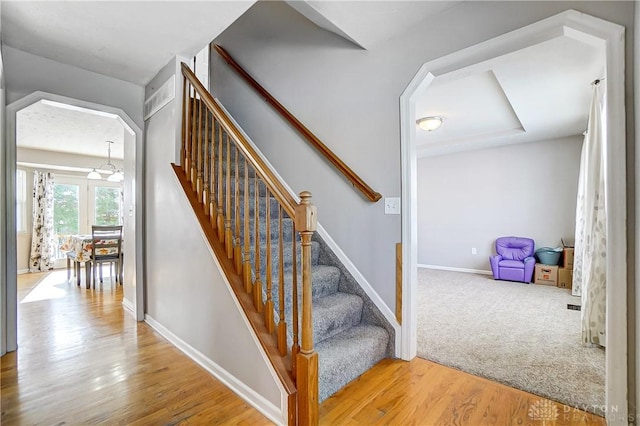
(306, 214)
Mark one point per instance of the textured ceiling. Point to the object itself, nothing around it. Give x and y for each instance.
(52, 127)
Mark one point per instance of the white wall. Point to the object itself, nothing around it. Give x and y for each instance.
(26, 73)
(467, 200)
(186, 292)
(349, 98)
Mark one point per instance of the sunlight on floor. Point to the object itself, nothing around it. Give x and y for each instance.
(48, 288)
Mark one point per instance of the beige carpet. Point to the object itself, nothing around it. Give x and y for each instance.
(518, 334)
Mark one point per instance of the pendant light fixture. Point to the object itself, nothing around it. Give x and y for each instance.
(115, 174)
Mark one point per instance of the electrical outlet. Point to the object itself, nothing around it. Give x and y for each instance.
(392, 205)
(473, 250)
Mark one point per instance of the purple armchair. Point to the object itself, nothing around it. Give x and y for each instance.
(514, 261)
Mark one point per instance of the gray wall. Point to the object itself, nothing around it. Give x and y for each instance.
(3, 269)
(469, 199)
(349, 98)
(27, 73)
(185, 290)
(633, 157)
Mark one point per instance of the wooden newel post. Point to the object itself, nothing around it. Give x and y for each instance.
(307, 359)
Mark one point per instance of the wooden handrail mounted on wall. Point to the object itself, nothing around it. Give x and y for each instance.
(356, 180)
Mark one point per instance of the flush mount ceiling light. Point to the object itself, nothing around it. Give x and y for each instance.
(115, 174)
(429, 123)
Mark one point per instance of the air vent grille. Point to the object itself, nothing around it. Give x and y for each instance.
(160, 97)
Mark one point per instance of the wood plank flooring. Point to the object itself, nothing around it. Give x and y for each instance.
(84, 360)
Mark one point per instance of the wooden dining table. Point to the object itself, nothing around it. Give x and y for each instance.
(77, 249)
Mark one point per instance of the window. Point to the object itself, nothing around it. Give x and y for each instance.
(78, 204)
(21, 200)
(66, 209)
(108, 206)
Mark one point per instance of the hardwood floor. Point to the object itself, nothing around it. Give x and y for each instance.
(421, 392)
(84, 360)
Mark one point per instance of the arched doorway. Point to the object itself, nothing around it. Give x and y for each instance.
(133, 207)
(591, 30)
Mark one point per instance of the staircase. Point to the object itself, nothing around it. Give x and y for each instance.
(347, 345)
(265, 238)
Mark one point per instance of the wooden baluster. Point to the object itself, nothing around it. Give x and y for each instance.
(268, 308)
(247, 236)
(237, 247)
(307, 359)
(187, 143)
(194, 140)
(205, 167)
(183, 154)
(199, 155)
(257, 284)
(212, 185)
(295, 346)
(228, 238)
(282, 324)
(220, 218)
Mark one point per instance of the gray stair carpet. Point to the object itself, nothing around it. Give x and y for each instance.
(347, 344)
(350, 333)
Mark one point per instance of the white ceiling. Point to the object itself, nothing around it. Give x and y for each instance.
(56, 127)
(538, 93)
(128, 40)
(541, 92)
(367, 23)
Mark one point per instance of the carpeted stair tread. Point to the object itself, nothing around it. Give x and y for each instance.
(325, 279)
(347, 355)
(334, 313)
(287, 257)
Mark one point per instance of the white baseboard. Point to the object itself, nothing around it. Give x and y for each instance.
(364, 284)
(128, 306)
(22, 271)
(249, 395)
(451, 268)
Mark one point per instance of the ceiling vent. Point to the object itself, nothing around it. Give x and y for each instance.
(160, 97)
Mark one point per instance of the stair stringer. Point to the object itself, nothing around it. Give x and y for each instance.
(352, 281)
(278, 415)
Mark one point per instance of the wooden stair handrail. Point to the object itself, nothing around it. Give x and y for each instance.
(213, 202)
(277, 188)
(304, 131)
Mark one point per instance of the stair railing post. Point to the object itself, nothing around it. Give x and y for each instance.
(307, 359)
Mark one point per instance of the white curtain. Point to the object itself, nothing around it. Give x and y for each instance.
(589, 265)
(42, 234)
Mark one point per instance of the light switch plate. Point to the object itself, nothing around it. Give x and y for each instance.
(392, 205)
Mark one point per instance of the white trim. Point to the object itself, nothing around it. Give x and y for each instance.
(353, 270)
(586, 28)
(238, 387)
(364, 284)
(128, 306)
(23, 271)
(283, 401)
(454, 269)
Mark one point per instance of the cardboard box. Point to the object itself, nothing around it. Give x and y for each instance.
(545, 274)
(565, 277)
(567, 257)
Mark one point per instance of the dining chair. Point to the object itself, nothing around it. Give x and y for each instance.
(106, 247)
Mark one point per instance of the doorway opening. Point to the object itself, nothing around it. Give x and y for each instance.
(109, 200)
(589, 30)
